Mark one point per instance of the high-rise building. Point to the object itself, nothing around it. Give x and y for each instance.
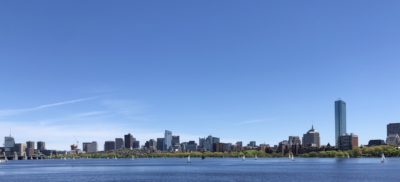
(393, 129)
(30, 148)
(30, 144)
(209, 143)
(348, 142)
(136, 144)
(128, 141)
(41, 146)
(311, 138)
(294, 140)
(151, 145)
(20, 148)
(119, 143)
(393, 139)
(252, 144)
(89, 147)
(167, 140)
(109, 146)
(175, 140)
(191, 146)
(340, 120)
(9, 143)
(160, 144)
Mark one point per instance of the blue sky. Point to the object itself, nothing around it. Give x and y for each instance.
(239, 70)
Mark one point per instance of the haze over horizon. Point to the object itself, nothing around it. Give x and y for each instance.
(84, 71)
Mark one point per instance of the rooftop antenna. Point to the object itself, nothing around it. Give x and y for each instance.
(10, 132)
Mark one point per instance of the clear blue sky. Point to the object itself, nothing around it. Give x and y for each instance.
(239, 70)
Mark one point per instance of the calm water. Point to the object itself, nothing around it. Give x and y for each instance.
(177, 170)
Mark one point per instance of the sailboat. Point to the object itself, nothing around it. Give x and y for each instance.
(383, 159)
(188, 159)
(348, 156)
(255, 157)
(243, 157)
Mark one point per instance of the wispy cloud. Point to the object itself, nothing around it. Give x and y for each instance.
(12, 112)
(254, 121)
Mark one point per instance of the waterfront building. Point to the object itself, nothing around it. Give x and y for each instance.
(209, 142)
(160, 144)
(311, 138)
(201, 145)
(348, 142)
(167, 140)
(136, 144)
(9, 143)
(151, 145)
(30, 144)
(191, 146)
(340, 120)
(376, 142)
(109, 146)
(393, 129)
(89, 147)
(20, 148)
(175, 143)
(252, 144)
(393, 139)
(128, 141)
(294, 140)
(119, 143)
(41, 146)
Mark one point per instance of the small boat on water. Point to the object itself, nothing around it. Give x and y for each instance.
(188, 159)
(203, 157)
(383, 158)
(255, 157)
(243, 157)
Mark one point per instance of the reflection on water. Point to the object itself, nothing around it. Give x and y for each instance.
(177, 169)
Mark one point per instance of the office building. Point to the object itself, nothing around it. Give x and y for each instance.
(136, 144)
(160, 144)
(191, 146)
(41, 146)
(311, 138)
(128, 141)
(9, 143)
(294, 140)
(109, 146)
(252, 144)
(119, 143)
(20, 149)
(340, 120)
(89, 147)
(151, 145)
(376, 142)
(348, 142)
(393, 129)
(30, 144)
(167, 140)
(393, 139)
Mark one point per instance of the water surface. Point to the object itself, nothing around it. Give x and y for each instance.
(178, 170)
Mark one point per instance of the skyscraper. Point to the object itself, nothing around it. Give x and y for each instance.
(41, 146)
(311, 138)
(167, 140)
(393, 129)
(119, 143)
(340, 120)
(128, 141)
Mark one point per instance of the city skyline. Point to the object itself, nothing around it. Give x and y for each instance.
(258, 71)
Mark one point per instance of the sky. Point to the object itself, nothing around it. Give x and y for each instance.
(80, 71)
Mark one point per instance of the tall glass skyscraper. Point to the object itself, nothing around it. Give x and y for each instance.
(340, 120)
(167, 140)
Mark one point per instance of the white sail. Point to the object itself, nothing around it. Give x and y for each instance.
(383, 158)
(188, 159)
